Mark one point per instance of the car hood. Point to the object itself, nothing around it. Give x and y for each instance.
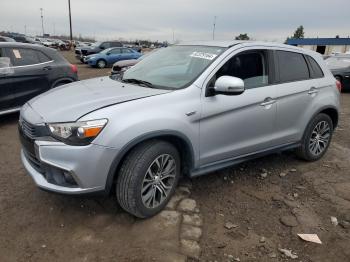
(123, 63)
(72, 101)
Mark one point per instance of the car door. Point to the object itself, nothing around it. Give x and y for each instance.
(31, 75)
(115, 55)
(128, 54)
(296, 91)
(6, 75)
(234, 126)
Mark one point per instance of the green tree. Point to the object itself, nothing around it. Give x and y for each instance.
(299, 33)
(242, 37)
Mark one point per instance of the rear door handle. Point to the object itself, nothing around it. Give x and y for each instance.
(313, 90)
(268, 101)
(47, 68)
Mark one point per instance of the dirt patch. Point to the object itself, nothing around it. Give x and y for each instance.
(280, 205)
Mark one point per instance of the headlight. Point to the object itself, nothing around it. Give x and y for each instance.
(77, 133)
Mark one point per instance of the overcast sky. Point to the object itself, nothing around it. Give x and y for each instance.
(271, 20)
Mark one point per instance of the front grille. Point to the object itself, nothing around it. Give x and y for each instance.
(33, 131)
(28, 129)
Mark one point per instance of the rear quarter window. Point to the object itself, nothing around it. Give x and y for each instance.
(315, 69)
(292, 66)
(43, 57)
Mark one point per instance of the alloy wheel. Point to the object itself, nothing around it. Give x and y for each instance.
(319, 138)
(158, 181)
(101, 64)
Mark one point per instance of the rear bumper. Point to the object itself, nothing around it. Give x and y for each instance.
(87, 165)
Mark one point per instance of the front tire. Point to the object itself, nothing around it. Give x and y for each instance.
(148, 178)
(101, 63)
(316, 139)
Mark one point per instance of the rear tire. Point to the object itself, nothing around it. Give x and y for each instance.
(316, 139)
(148, 178)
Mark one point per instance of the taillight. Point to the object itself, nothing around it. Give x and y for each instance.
(339, 85)
(74, 68)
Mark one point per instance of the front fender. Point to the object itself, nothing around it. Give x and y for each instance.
(123, 151)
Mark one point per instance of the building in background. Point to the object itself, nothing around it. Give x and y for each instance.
(324, 46)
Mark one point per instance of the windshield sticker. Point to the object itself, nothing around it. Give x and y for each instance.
(202, 55)
(17, 53)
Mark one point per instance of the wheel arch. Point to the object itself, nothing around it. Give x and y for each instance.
(332, 113)
(177, 139)
(65, 80)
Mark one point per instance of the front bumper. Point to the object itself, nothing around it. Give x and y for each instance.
(90, 62)
(88, 165)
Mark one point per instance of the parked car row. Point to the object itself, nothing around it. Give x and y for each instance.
(103, 54)
(111, 55)
(28, 70)
(48, 42)
(82, 52)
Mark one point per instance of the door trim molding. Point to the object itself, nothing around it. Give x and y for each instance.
(211, 167)
(14, 67)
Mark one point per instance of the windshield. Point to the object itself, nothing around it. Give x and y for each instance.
(338, 62)
(173, 67)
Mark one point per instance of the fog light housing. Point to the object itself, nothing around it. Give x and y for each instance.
(69, 178)
(60, 177)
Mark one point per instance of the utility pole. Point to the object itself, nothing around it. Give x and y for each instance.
(54, 28)
(42, 21)
(214, 27)
(25, 29)
(173, 36)
(70, 22)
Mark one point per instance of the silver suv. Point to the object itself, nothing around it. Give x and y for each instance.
(187, 110)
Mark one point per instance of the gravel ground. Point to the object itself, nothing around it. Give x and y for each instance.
(268, 212)
(247, 215)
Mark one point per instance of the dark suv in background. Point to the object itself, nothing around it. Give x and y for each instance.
(27, 70)
(81, 52)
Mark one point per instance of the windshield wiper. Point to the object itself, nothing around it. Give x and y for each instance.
(138, 81)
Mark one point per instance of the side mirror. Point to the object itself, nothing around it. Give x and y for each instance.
(229, 85)
(102, 47)
(108, 53)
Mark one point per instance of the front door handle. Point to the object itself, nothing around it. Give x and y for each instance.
(313, 90)
(268, 101)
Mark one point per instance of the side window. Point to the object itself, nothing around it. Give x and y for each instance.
(116, 44)
(292, 66)
(105, 45)
(127, 51)
(116, 51)
(315, 69)
(251, 67)
(42, 57)
(23, 56)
